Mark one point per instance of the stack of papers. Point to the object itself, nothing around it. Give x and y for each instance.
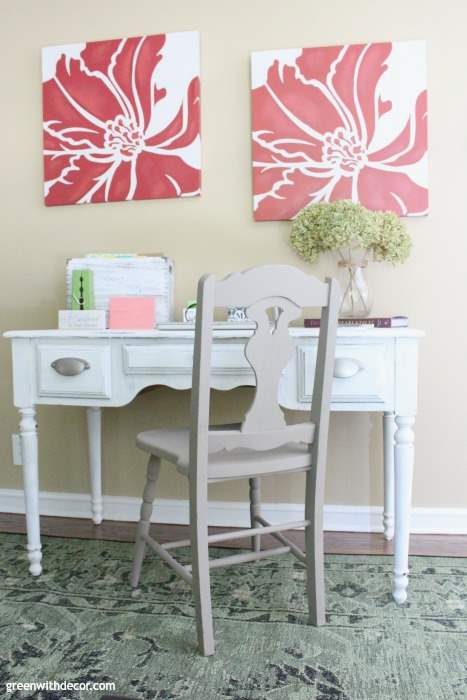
(128, 275)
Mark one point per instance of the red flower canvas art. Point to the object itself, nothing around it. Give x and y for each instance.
(340, 122)
(122, 119)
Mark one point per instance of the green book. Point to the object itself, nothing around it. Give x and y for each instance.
(82, 290)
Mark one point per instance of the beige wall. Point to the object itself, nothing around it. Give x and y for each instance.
(216, 232)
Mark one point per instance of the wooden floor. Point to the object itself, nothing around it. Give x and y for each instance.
(334, 542)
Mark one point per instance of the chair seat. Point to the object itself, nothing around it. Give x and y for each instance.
(173, 445)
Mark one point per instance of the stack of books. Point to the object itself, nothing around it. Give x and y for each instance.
(377, 322)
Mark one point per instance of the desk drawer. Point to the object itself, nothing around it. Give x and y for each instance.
(177, 359)
(362, 373)
(93, 367)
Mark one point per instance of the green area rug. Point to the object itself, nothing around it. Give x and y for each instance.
(80, 622)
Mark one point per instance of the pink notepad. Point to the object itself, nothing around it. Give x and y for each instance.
(131, 313)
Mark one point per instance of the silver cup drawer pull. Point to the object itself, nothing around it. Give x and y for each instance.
(70, 366)
(346, 367)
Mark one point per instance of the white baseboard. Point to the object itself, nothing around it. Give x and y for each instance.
(341, 518)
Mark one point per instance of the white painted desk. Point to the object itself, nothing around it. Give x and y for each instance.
(376, 370)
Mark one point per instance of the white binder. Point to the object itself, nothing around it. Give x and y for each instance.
(128, 275)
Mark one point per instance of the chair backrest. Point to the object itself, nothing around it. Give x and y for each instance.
(273, 295)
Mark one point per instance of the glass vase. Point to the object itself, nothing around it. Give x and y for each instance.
(356, 298)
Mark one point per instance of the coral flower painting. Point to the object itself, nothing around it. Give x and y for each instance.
(340, 122)
(122, 119)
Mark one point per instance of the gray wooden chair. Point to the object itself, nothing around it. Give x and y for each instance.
(263, 444)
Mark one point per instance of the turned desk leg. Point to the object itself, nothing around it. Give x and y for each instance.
(29, 453)
(388, 440)
(403, 471)
(94, 415)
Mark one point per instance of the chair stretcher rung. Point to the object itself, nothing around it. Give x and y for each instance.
(243, 558)
(285, 540)
(176, 566)
(238, 534)
(175, 544)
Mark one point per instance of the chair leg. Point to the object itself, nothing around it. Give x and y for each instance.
(149, 493)
(255, 509)
(200, 569)
(314, 551)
